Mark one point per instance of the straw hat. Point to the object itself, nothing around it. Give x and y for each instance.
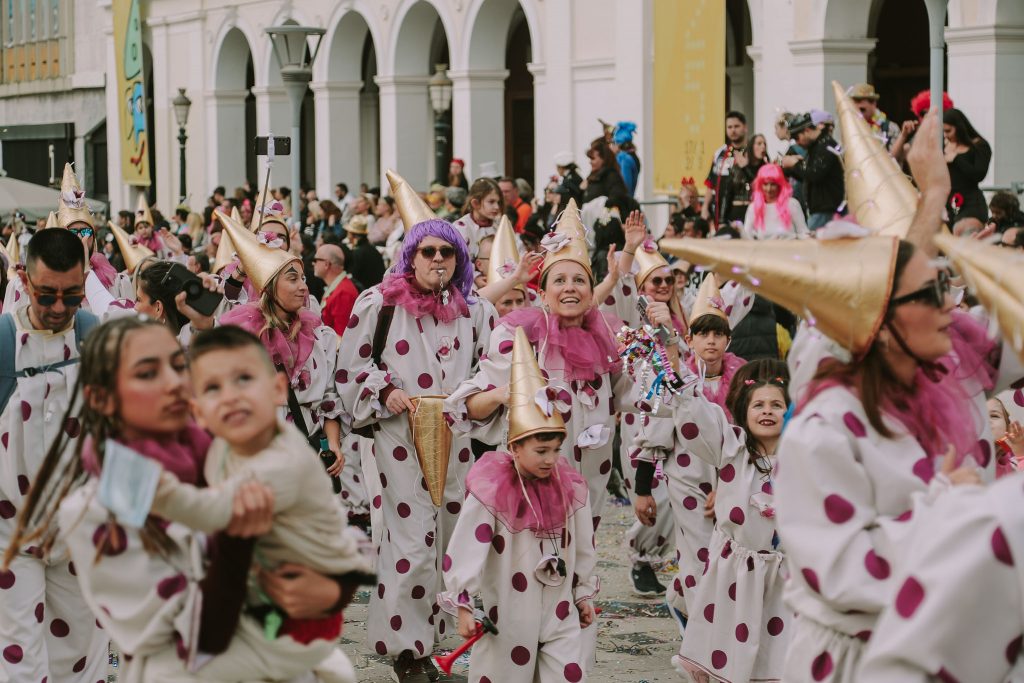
(568, 242)
(525, 417)
(411, 206)
(879, 195)
(71, 207)
(358, 225)
(260, 262)
(133, 254)
(504, 254)
(840, 286)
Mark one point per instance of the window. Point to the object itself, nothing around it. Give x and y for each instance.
(33, 39)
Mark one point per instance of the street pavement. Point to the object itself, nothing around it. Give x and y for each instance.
(636, 636)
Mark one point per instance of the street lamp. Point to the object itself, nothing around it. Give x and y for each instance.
(295, 56)
(181, 105)
(440, 87)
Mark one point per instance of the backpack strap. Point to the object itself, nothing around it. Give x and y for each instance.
(380, 338)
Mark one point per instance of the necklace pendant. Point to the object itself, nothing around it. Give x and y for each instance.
(444, 298)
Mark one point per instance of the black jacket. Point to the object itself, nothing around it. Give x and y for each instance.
(605, 183)
(365, 264)
(822, 173)
(756, 337)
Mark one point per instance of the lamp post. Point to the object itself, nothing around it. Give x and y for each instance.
(295, 54)
(181, 104)
(936, 44)
(440, 87)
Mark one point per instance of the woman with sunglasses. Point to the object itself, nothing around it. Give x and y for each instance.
(418, 333)
(882, 426)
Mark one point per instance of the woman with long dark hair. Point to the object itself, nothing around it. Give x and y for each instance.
(968, 156)
(605, 179)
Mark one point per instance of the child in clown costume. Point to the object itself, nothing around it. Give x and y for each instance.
(524, 546)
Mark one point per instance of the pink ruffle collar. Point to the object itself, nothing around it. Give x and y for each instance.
(104, 271)
(400, 290)
(183, 456)
(284, 352)
(573, 353)
(546, 505)
(717, 394)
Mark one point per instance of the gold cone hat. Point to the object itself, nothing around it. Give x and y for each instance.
(709, 300)
(71, 207)
(433, 441)
(133, 254)
(13, 253)
(142, 212)
(411, 206)
(260, 262)
(271, 212)
(570, 227)
(647, 262)
(878, 194)
(525, 418)
(995, 275)
(841, 286)
(51, 221)
(504, 254)
(225, 248)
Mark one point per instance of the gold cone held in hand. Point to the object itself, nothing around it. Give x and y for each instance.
(71, 207)
(647, 262)
(433, 441)
(133, 254)
(51, 221)
(504, 254)
(260, 262)
(575, 249)
(411, 206)
(995, 276)
(142, 212)
(878, 194)
(709, 300)
(841, 286)
(525, 417)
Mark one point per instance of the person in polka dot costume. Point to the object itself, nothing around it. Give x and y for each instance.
(435, 337)
(956, 614)
(737, 621)
(486, 205)
(524, 546)
(46, 630)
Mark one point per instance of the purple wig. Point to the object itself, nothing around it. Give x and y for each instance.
(462, 278)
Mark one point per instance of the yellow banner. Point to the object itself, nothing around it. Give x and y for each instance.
(132, 92)
(689, 89)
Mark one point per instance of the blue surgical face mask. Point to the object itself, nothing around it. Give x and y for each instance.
(128, 483)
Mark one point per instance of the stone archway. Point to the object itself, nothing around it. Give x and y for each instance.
(232, 102)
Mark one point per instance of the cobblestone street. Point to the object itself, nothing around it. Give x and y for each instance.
(636, 639)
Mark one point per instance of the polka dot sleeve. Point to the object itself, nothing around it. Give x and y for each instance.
(957, 572)
(358, 380)
(493, 370)
(621, 302)
(468, 552)
(655, 439)
(703, 430)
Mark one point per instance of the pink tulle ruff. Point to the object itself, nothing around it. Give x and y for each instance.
(939, 411)
(494, 481)
(104, 271)
(399, 290)
(183, 456)
(573, 353)
(730, 364)
(291, 355)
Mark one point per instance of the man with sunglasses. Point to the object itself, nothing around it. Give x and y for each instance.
(46, 629)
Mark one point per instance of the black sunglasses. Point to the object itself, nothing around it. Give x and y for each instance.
(47, 300)
(932, 294)
(429, 252)
(668, 280)
(81, 232)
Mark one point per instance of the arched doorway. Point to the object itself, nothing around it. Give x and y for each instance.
(739, 68)
(369, 115)
(899, 65)
(147, 69)
(232, 160)
(519, 119)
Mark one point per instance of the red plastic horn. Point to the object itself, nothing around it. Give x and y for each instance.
(444, 662)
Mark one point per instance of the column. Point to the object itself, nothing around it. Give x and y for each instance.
(274, 117)
(225, 155)
(337, 114)
(819, 62)
(369, 131)
(164, 134)
(478, 117)
(406, 128)
(553, 92)
(986, 79)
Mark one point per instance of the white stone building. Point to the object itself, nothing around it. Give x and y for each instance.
(531, 77)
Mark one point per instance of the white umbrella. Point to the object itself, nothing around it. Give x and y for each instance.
(35, 201)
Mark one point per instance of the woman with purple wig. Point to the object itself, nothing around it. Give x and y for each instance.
(418, 333)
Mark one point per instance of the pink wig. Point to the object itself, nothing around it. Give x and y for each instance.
(771, 173)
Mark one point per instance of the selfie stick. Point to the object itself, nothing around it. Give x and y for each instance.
(266, 182)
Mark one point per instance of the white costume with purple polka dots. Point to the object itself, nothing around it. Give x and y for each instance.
(539, 635)
(421, 357)
(737, 629)
(46, 629)
(958, 611)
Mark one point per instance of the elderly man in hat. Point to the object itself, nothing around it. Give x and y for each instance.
(866, 99)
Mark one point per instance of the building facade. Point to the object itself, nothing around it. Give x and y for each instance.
(530, 79)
